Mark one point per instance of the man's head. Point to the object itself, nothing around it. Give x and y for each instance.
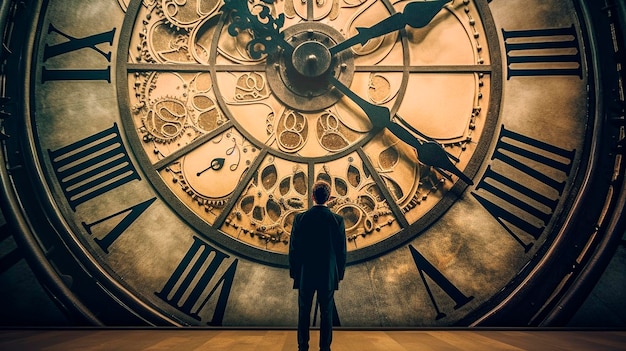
(320, 192)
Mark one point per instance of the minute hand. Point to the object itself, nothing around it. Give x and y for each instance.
(415, 14)
(428, 152)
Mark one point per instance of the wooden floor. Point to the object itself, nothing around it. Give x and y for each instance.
(285, 340)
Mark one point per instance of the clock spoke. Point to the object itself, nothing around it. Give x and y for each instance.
(238, 191)
(311, 180)
(164, 162)
(240, 68)
(310, 15)
(393, 205)
(191, 67)
(426, 68)
(162, 67)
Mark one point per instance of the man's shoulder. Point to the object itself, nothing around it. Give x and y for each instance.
(338, 217)
(317, 211)
(298, 216)
(326, 211)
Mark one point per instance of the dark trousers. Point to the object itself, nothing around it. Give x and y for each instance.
(305, 301)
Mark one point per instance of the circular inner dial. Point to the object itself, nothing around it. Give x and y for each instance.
(234, 126)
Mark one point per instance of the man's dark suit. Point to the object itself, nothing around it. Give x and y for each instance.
(317, 262)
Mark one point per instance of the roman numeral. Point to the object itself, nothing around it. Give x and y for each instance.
(186, 289)
(525, 192)
(92, 166)
(426, 268)
(542, 52)
(132, 214)
(74, 44)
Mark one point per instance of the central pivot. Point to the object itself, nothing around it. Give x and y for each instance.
(311, 59)
(300, 78)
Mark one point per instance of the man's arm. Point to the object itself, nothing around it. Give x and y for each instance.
(294, 260)
(341, 248)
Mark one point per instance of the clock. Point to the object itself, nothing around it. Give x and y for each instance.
(157, 152)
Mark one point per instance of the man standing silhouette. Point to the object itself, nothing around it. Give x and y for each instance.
(317, 262)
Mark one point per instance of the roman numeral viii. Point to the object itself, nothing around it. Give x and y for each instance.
(522, 186)
(72, 44)
(188, 288)
(542, 52)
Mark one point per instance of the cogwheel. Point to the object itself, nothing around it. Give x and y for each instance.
(141, 88)
(187, 14)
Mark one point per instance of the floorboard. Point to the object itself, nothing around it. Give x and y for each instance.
(166, 339)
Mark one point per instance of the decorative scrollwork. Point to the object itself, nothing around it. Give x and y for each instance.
(292, 131)
(242, 19)
(322, 9)
(365, 14)
(200, 99)
(357, 198)
(173, 109)
(187, 13)
(165, 119)
(264, 213)
(330, 132)
(250, 87)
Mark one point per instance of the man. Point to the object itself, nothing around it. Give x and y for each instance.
(317, 262)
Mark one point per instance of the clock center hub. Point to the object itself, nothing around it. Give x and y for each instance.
(311, 59)
(301, 80)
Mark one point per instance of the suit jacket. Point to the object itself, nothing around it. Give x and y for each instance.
(317, 249)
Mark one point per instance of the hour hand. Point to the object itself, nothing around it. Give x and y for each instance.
(416, 14)
(428, 152)
(268, 39)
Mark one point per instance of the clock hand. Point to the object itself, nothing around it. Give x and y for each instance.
(428, 152)
(416, 14)
(216, 165)
(267, 33)
(406, 125)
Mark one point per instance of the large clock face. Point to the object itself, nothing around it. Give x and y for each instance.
(233, 133)
(171, 143)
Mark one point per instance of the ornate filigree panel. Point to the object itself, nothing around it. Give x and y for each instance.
(263, 213)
